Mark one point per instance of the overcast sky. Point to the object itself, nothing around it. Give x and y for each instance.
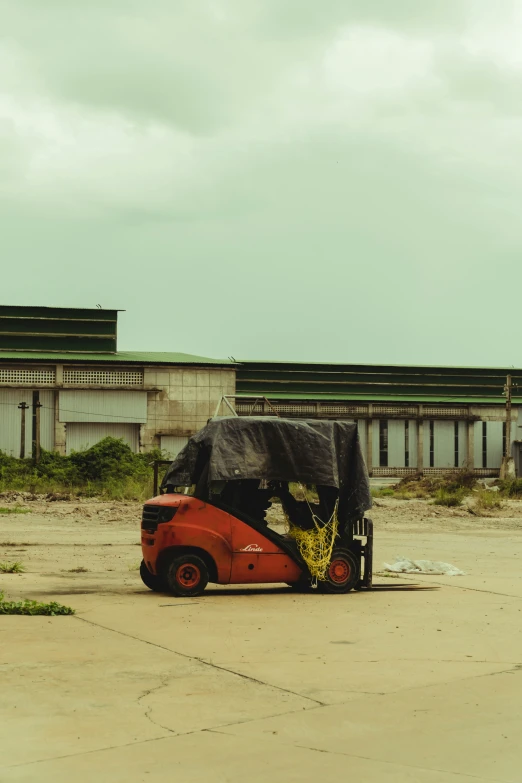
(323, 180)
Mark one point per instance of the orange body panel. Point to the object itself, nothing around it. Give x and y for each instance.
(241, 554)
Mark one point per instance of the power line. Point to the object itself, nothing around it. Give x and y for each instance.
(125, 420)
(139, 420)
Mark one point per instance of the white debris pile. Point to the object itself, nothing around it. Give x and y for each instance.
(405, 566)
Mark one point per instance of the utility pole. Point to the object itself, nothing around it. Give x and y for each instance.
(507, 389)
(23, 406)
(507, 470)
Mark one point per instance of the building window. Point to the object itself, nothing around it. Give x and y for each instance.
(456, 463)
(36, 376)
(504, 444)
(100, 377)
(383, 443)
(407, 444)
(432, 444)
(484, 444)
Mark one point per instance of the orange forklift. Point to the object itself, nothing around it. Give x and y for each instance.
(209, 522)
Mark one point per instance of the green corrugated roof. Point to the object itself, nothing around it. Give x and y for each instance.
(365, 382)
(299, 365)
(125, 357)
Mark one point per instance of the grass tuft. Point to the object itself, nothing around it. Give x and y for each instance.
(485, 503)
(11, 568)
(383, 492)
(15, 510)
(444, 497)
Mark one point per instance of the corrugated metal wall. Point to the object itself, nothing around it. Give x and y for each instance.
(10, 420)
(494, 445)
(80, 436)
(413, 443)
(361, 427)
(98, 406)
(463, 444)
(172, 444)
(396, 443)
(444, 442)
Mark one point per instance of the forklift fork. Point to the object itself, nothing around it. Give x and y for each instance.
(364, 528)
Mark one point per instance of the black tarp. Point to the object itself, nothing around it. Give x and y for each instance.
(309, 451)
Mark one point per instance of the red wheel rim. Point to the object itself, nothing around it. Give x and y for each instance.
(339, 571)
(188, 575)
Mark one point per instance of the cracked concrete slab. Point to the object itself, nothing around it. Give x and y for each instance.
(224, 759)
(83, 687)
(417, 681)
(471, 727)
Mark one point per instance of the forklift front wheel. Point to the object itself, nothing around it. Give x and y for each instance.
(343, 572)
(150, 580)
(187, 575)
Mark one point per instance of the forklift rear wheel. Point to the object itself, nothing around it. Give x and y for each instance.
(343, 573)
(150, 580)
(187, 575)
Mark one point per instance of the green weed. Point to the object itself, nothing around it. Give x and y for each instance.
(383, 492)
(15, 510)
(444, 497)
(511, 488)
(32, 607)
(11, 568)
(486, 502)
(457, 482)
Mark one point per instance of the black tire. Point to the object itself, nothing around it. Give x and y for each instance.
(344, 572)
(187, 575)
(150, 580)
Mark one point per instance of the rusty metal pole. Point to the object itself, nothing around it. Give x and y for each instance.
(156, 482)
(23, 406)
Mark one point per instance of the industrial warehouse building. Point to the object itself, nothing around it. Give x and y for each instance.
(410, 419)
(64, 365)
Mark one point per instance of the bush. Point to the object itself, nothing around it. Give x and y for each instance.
(444, 497)
(108, 469)
(511, 488)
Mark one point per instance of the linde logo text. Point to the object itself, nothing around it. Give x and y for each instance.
(252, 548)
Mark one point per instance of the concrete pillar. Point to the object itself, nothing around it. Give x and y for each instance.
(369, 445)
(470, 433)
(59, 374)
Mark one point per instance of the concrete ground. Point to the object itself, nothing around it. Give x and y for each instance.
(419, 680)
